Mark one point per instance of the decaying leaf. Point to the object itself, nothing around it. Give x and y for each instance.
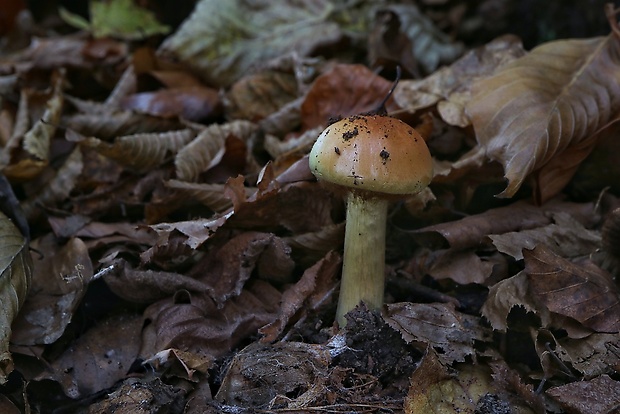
(294, 298)
(140, 151)
(226, 40)
(565, 236)
(208, 148)
(449, 88)
(437, 325)
(59, 283)
(474, 230)
(343, 91)
(58, 186)
(194, 323)
(403, 34)
(15, 276)
(26, 155)
(261, 373)
(435, 389)
(588, 295)
(546, 103)
(102, 356)
(599, 395)
(591, 355)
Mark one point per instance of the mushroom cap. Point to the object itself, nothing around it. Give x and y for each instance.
(372, 153)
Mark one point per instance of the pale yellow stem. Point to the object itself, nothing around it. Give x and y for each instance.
(364, 255)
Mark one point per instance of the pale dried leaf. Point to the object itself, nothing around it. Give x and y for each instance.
(58, 187)
(15, 276)
(450, 87)
(429, 46)
(59, 282)
(227, 39)
(208, 148)
(599, 395)
(438, 325)
(142, 152)
(565, 236)
(546, 102)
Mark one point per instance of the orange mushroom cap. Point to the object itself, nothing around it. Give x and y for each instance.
(372, 153)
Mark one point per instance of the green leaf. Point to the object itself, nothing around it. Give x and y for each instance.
(117, 18)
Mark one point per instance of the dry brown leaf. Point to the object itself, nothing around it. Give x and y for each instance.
(141, 152)
(403, 34)
(226, 269)
(194, 103)
(295, 297)
(26, 155)
(565, 236)
(591, 356)
(15, 276)
(505, 295)
(473, 231)
(588, 295)
(599, 395)
(99, 358)
(211, 195)
(209, 147)
(343, 91)
(59, 282)
(139, 396)
(437, 325)
(57, 187)
(462, 266)
(148, 286)
(450, 87)
(194, 323)
(553, 100)
(254, 97)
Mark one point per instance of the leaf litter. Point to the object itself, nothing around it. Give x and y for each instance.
(165, 242)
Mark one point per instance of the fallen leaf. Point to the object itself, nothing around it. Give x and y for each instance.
(15, 277)
(565, 236)
(140, 396)
(117, 18)
(434, 389)
(599, 395)
(99, 358)
(449, 88)
(261, 373)
(208, 148)
(140, 152)
(254, 97)
(403, 34)
(590, 354)
(439, 326)
(59, 282)
(343, 91)
(546, 103)
(194, 323)
(473, 231)
(295, 297)
(194, 103)
(587, 295)
(226, 40)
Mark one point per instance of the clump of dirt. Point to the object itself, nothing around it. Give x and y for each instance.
(375, 348)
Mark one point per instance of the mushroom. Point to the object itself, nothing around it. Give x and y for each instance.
(375, 159)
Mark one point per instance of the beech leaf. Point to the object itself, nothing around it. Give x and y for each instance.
(587, 295)
(15, 276)
(546, 103)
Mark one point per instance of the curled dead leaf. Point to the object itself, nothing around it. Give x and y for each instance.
(548, 104)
